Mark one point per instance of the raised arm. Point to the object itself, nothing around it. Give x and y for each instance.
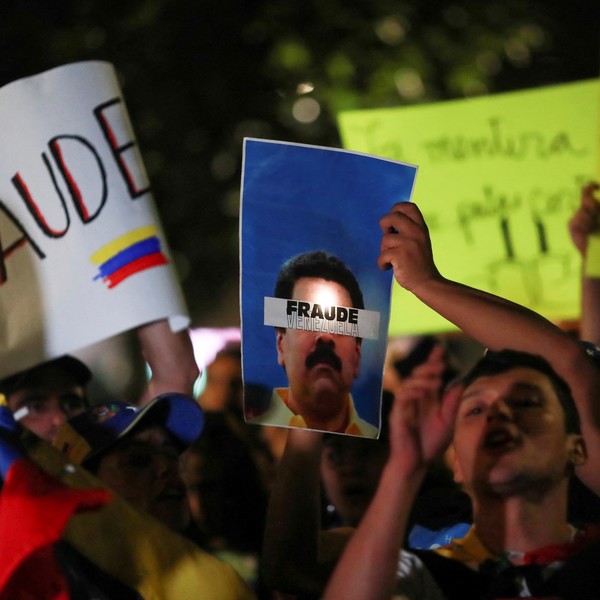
(493, 321)
(170, 357)
(420, 429)
(584, 223)
(297, 557)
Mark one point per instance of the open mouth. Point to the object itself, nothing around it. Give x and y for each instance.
(499, 439)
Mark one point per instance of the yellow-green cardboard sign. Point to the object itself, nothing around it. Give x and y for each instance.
(499, 177)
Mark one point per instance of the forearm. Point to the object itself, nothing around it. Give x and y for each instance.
(590, 310)
(170, 357)
(290, 558)
(369, 565)
(499, 323)
(493, 321)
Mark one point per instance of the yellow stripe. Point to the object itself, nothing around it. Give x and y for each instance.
(123, 241)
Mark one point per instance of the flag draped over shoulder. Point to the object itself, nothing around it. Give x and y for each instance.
(139, 551)
(34, 511)
(46, 503)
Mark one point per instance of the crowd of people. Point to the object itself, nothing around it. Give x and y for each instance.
(484, 481)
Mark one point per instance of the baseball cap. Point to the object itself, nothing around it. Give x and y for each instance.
(33, 376)
(95, 430)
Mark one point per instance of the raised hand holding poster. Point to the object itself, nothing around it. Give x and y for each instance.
(82, 253)
(499, 178)
(315, 306)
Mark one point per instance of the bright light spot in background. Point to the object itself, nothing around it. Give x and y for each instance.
(533, 35)
(306, 87)
(223, 166)
(409, 83)
(207, 341)
(390, 30)
(517, 52)
(306, 110)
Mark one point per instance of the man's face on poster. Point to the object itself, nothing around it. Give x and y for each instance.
(320, 366)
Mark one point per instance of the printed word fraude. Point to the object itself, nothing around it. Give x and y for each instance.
(312, 316)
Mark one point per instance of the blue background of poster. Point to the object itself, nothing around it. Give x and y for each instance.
(297, 198)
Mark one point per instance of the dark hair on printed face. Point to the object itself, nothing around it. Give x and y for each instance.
(495, 363)
(318, 264)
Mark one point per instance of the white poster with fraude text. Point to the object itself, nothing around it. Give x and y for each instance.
(82, 253)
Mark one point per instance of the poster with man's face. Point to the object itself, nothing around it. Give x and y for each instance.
(315, 306)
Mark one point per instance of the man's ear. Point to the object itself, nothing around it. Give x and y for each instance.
(279, 337)
(577, 450)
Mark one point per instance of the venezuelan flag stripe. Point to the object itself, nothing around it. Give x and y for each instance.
(124, 257)
(124, 241)
(128, 254)
(139, 264)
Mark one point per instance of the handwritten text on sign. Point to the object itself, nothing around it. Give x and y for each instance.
(499, 178)
(72, 155)
(82, 254)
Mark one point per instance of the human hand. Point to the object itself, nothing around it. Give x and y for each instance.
(421, 426)
(429, 374)
(585, 220)
(406, 246)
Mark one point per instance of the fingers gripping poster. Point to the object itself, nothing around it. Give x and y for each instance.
(315, 305)
(82, 253)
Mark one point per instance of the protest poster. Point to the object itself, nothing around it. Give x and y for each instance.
(82, 253)
(499, 178)
(313, 349)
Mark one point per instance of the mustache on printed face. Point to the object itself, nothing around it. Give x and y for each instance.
(323, 354)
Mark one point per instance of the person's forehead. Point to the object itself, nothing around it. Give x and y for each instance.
(515, 378)
(323, 291)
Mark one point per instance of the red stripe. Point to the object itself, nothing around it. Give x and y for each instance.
(139, 264)
(71, 182)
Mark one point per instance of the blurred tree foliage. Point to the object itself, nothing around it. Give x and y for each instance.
(200, 75)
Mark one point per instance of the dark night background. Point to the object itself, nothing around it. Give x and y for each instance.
(199, 75)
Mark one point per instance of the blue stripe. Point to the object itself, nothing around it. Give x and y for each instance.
(10, 450)
(146, 247)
